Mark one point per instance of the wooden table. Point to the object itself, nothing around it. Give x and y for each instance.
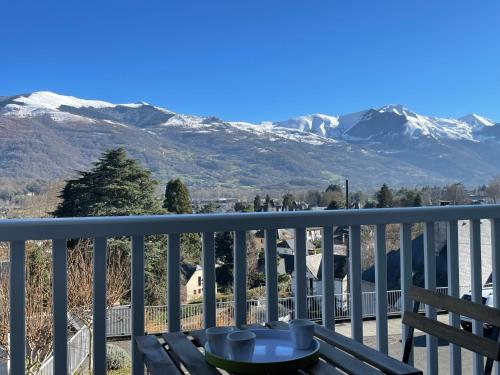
(180, 353)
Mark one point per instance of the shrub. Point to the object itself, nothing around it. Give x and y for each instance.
(116, 358)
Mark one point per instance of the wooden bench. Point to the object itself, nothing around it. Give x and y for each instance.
(489, 348)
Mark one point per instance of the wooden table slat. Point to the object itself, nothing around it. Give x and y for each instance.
(335, 356)
(191, 358)
(362, 352)
(321, 368)
(157, 360)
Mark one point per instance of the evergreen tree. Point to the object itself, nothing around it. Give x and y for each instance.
(177, 198)
(115, 186)
(288, 202)
(257, 203)
(417, 202)
(384, 197)
(267, 203)
(334, 205)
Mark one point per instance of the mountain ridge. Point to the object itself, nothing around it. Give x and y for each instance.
(47, 135)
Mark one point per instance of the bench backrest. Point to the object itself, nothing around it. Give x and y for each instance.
(465, 339)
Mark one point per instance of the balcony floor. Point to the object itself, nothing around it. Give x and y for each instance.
(395, 349)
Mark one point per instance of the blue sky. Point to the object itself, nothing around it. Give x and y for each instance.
(258, 60)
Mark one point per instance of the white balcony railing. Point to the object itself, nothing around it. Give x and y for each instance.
(16, 232)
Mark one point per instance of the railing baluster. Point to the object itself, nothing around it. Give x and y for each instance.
(17, 295)
(476, 287)
(60, 306)
(240, 278)
(406, 277)
(495, 264)
(454, 291)
(173, 282)
(328, 278)
(355, 283)
(430, 283)
(209, 309)
(300, 274)
(271, 275)
(99, 306)
(137, 302)
(381, 288)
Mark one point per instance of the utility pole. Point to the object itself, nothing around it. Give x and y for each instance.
(346, 194)
(348, 255)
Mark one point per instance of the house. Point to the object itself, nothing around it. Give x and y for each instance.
(394, 268)
(193, 274)
(288, 247)
(314, 274)
(464, 252)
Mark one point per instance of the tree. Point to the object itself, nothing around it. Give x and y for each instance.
(370, 204)
(334, 188)
(177, 198)
(257, 203)
(242, 207)
(288, 201)
(493, 189)
(455, 193)
(80, 284)
(313, 198)
(417, 202)
(224, 254)
(208, 208)
(411, 199)
(115, 186)
(384, 197)
(334, 205)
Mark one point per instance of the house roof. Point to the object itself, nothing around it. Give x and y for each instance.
(314, 263)
(187, 270)
(394, 267)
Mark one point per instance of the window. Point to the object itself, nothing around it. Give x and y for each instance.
(199, 291)
(199, 280)
(194, 292)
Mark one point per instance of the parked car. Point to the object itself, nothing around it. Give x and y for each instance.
(487, 300)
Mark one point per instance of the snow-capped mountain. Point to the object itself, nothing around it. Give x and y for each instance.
(47, 135)
(476, 122)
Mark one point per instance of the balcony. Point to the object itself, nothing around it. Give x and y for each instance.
(17, 232)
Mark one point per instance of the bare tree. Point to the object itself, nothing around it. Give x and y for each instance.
(493, 189)
(80, 283)
(38, 289)
(38, 311)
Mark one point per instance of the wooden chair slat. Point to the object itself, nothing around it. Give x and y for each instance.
(369, 355)
(459, 306)
(189, 355)
(344, 361)
(475, 343)
(156, 358)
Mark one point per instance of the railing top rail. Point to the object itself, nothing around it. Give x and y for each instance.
(40, 229)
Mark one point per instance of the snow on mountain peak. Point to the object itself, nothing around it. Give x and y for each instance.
(317, 123)
(50, 100)
(476, 122)
(398, 109)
